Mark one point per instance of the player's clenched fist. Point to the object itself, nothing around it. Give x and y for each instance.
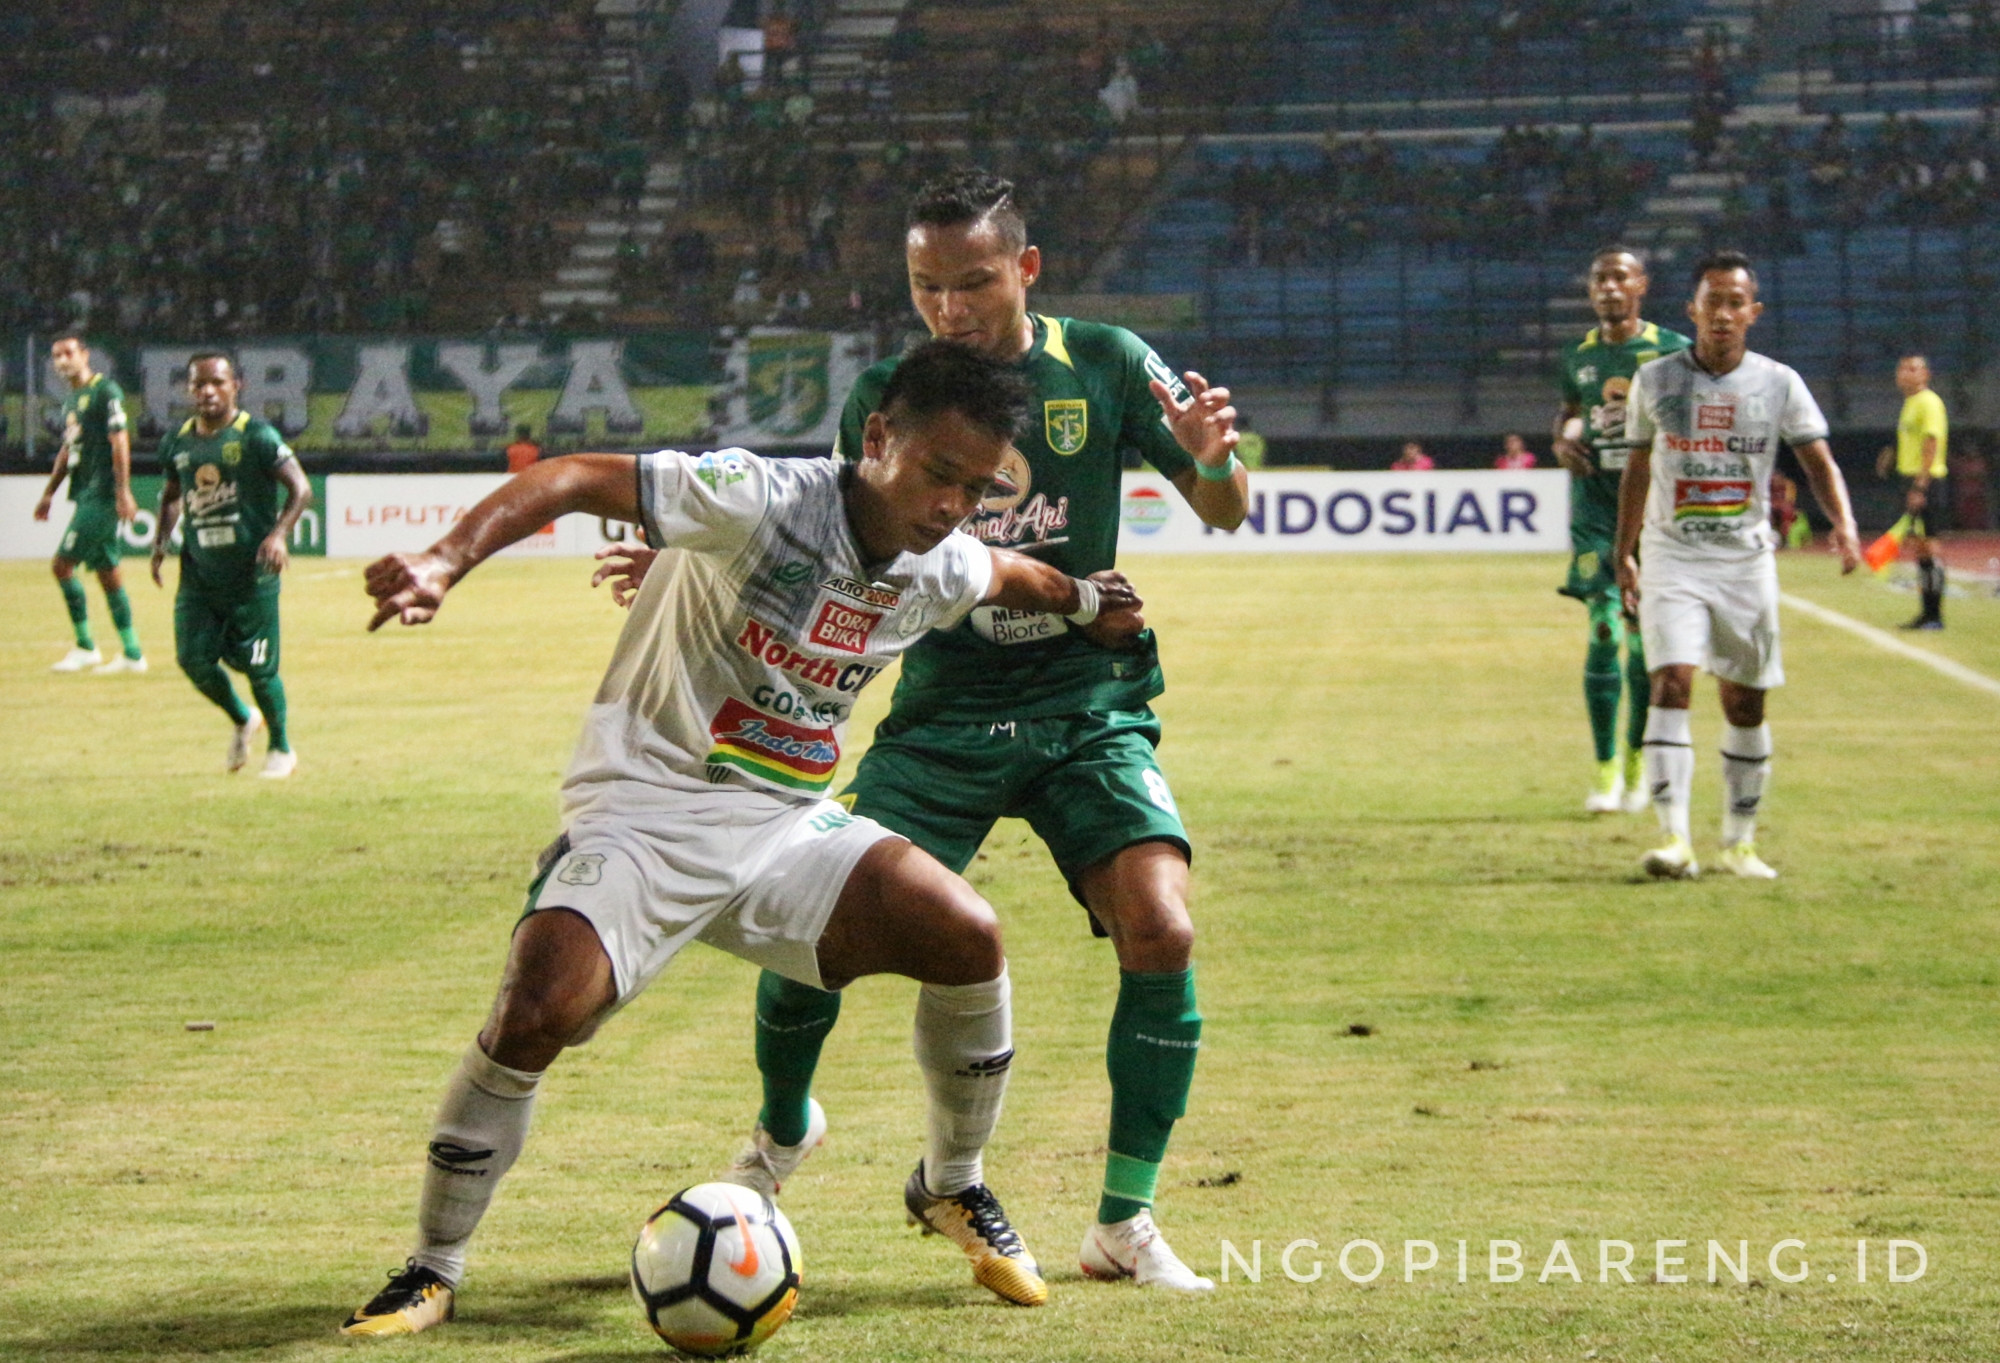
(407, 587)
(1118, 620)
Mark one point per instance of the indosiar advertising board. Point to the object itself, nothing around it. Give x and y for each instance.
(1431, 512)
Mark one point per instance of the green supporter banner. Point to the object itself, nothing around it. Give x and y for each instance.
(346, 394)
(308, 536)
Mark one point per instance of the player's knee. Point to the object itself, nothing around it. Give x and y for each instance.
(975, 954)
(1159, 932)
(541, 1014)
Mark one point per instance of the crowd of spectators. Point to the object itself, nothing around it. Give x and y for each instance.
(1529, 189)
(1902, 172)
(216, 167)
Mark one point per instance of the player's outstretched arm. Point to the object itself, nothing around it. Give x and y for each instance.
(410, 587)
(1104, 605)
(1830, 489)
(1205, 426)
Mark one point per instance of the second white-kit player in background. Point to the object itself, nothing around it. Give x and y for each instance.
(1695, 549)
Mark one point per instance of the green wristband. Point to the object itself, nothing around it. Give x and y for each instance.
(1219, 475)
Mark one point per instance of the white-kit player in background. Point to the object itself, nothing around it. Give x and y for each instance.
(1706, 423)
(695, 805)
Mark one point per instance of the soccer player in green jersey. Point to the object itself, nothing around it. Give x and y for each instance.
(96, 457)
(1016, 714)
(224, 469)
(1590, 442)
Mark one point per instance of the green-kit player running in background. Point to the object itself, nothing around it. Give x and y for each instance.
(1590, 442)
(96, 457)
(1012, 715)
(224, 469)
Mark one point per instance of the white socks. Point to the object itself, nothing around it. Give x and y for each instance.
(965, 1044)
(1669, 767)
(1746, 762)
(481, 1126)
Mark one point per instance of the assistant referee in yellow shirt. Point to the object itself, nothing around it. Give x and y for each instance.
(1919, 452)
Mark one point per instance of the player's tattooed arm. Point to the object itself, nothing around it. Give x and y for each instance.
(1205, 426)
(410, 587)
(1830, 488)
(164, 520)
(625, 566)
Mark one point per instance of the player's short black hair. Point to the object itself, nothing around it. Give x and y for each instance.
(223, 355)
(970, 196)
(69, 334)
(943, 376)
(1618, 249)
(1726, 259)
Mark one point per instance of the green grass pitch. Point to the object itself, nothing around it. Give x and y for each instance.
(1382, 762)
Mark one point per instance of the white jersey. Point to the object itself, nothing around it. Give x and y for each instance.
(1715, 441)
(754, 631)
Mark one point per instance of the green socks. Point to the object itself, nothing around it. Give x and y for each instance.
(1155, 1037)
(121, 616)
(1638, 692)
(1601, 680)
(79, 611)
(269, 693)
(792, 1022)
(211, 681)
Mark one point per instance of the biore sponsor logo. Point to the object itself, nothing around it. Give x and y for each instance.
(1146, 510)
(1716, 444)
(1670, 1262)
(761, 642)
(769, 742)
(1036, 521)
(1402, 512)
(999, 626)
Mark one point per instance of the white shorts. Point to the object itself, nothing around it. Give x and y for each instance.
(1727, 624)
(753, 874)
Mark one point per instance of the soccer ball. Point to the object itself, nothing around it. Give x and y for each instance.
(716, 1269)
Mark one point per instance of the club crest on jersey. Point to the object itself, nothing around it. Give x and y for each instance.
(765, 746)
(232, 452)
(1066, 424)
(582, 868)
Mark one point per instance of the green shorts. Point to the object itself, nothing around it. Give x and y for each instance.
(240, 630)
(92, 538)
(1592, 573)
(1087, 784)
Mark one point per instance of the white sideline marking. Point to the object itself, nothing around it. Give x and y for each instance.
(1885, 640)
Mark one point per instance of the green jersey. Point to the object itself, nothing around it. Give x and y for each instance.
(1596, 376)
(1057, 497)
(230, 499)
(90, 415)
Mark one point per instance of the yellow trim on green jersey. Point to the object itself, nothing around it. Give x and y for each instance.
(1052, 342)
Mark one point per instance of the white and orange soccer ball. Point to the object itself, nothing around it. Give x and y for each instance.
(716, 1269)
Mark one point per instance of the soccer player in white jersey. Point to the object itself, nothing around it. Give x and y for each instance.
(695, 805)
(1695, 498)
